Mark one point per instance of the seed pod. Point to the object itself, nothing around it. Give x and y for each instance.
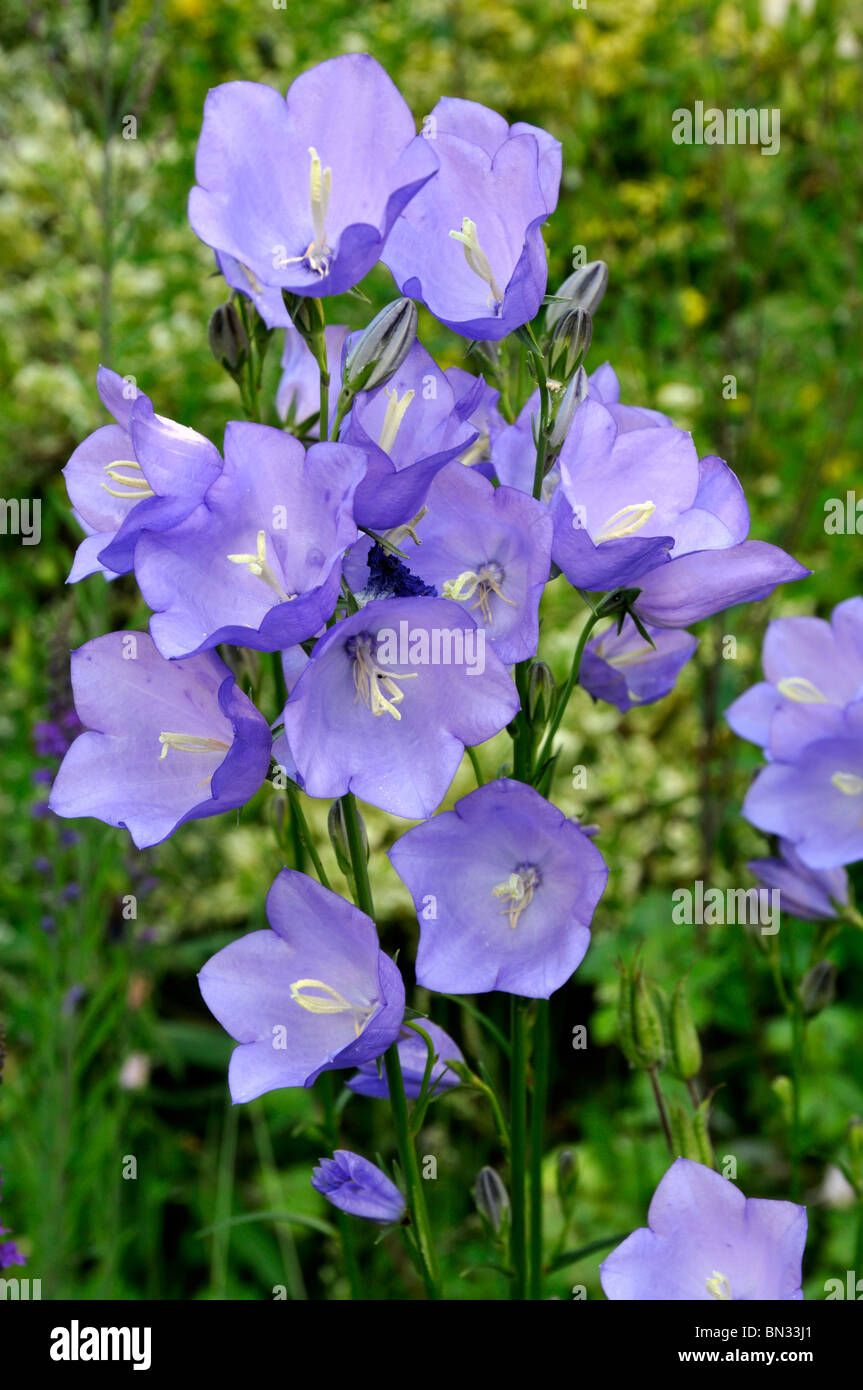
(381, 348)
(685, 1046)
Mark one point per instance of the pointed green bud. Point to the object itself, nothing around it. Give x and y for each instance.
(564, 415)
(228, 339)
(492, 1199)
(647, 1025)
(382, 348)
(570, 341)
(337, 827)
(818, 987)
(583, 289)
(540, 692)
(685, 1046)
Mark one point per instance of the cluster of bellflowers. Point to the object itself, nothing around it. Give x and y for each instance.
(384, 544)
(807, 717)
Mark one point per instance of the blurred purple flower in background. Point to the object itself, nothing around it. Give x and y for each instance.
(804, 892)
(622, 668)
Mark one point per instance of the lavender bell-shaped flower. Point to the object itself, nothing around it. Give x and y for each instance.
(259, 562)
(812, 670)
(812, 894)
(624, 669)
(356, 1186)
(300, 192)
(409, 428)
(490, 549)
(144, 472)
(705, 1241)
(312, 993)
(413, 1056)
(389, 700)
(505, 888)
(166, 741)
(469, 245)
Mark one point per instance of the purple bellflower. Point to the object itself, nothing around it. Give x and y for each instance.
(469, 245)
(165, 742)
(505, 888)
(816, 800)
(302, 191)
(312, 993)
(409, 428)
(259, 562)
(490, 549)
(808, 893)
(390, 697)
(143, 473)
(705, 1241)
(812, 670)
(413, 1056)
(356, 1186)
(622, 668)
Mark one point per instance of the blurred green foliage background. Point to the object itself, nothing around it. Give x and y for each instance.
(722, 262)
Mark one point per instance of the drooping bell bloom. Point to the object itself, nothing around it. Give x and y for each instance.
(356, 1186)
(638, 507)
(505, 888)
(409, 428)
(624, 669)
(302, 190)
(413, 1056)
(812, 670)
(390, 698)
(804, 892)
(165, 741)
(469, 245)
(259, 562)
(705, 1241)
(816, 801)
(312, 993)
(488, 548)
(299, 395)
(144, 472)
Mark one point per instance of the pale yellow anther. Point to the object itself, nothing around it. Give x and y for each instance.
(375, 684)
(801, 690)
(719, 1287)
(625, 522)
(318, 253)
(848, 783)
(478, 261)
(253, 280)
(518, 890)
(191, 743)
(257, 565)
(483, 583)
(395, 413)
(317, 997)
(135, 488)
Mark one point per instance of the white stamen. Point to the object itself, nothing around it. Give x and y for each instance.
(257, 565)
(625, 522)
(318, 254)
(392, 420)
(478, 261)
(848, 783)
(719, 1287)
(519, 889)
(327, 1000)
(484, 583)
(135, 488)
(375, 684)
(191, 743)
(801, 690)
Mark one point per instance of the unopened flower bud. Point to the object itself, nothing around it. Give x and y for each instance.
(784, 1092)
(381, 348)
(685, 1046)
(647, 1025)
(818, 987)
(583, 289)
(569, 342)
(228, 339)
(572, 398)
(682, 1133)
(492, 1199)
(540, 692)
(338, 830)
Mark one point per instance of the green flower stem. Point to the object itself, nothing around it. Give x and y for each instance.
(518, 1145)
(306, 839)
(563, 698)
(537, 1133)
